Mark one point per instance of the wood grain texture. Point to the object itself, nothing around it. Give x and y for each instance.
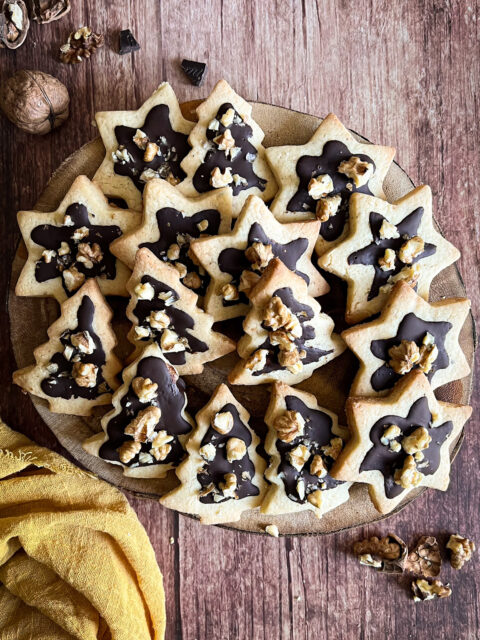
(404, 74)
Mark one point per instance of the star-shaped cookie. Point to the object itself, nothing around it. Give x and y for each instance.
(227, 150)
(236, 260)
(387, 243)
(140, 145)
(223, 474)
(68, 246)
(76, 369)
(316, 179)
(170, 222)
(162, 310)
(400, 442)
(409, 334)
(286, 336)
(303, 441)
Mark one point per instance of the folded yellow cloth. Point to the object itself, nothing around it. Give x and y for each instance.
(75, 562)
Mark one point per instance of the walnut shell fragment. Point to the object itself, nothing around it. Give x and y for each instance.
(387, 554)
(34, 101)
(461, 550)
(14, 24)
(44, 11)
(424, 559)
(429, 590)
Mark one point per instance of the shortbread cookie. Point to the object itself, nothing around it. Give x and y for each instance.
(223, 474)
(146, 431)
(236, 260)
(72, 244)
(76, 369)
(409, 334)
(316, 179)
(140, 145)
(227, 150)
(303, 442)
(287, 335)
(162, 310)
(170, 222)
(387, 243)
(400, 442)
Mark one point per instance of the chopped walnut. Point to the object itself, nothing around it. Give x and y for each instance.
(89, 255)
(85, 374)
(461, 550)
(277, 315)
(259, 255)
(320, 186)
(192, 280)
(416, 441)
(159, 320)
(225, 140)
(357, 170)
(425, 590)
(173, 252)
(144, 291)
(80, 234)
(317, 467)
(411, 249)
(229, 292)
(229, 485)
(327, 207)
(67, 221)
(210, 488)
(202, 225)
(168, 297)
(408, 476)
(160, 447)
(219, 179)
(181, 268)
(207, 452)
(257, 361)
(333, 449)
(291, 360)
(388, 231)
(404, 356)
(142, 332)
(128, 451)
(151, 151)
(64, 249)
(73, 278)
(248, 280)
(272, 530)
(428, 355)
(144, 388)
(391, 433)
(409, 275)
(140, 139)
(227, 117)
(425, 559)
(83, 341)
(237, 178)
(289, 425)
(143, 425)
(387, 261)
(315, 498)
(223, 422)
(298, 456)
(171, 342)
(236, 449)
(48, 255)
(162, 437)
(145, 458)
(148, 174)
(281, 338)
(387, 554)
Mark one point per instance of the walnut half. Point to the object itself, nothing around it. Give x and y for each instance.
(387, 554)
(289, 425)
(425, 590)
(461, 550)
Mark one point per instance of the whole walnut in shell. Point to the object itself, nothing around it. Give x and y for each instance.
(34, 101)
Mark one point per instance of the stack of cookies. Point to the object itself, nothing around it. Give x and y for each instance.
(199, 225)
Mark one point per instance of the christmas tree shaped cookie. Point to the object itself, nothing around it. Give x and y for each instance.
(287, 335)
(68, 246)
(140, 145)
(76, 369)
(303, 442)
(163, 311)
(223, 473)
(227, 150)
(146, 430)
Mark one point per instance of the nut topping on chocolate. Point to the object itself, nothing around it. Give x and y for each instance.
(248, 280)
(358, 170)
(387, 261)
(143, 425)
(219, 179)
(223, 422)
(83, 341)
(229, 485)
(151, 150)
(89, 254)
(424, 559)
(425, 590)
(207, 452)
(387, 554)
(298, 456)
(144, 291)
(229, 292)
(225, 141)
(160, 447)
(73, 278)
(327, 207)
(408, 476)
(257, 361)
(158, 320)
(388, 231)
(461, 550)
(320, 186)
(317, 466)
(85, 374)
(411, 249)
(315, 498)
(404, 356)
(128, 451)
(236, 449)
(259, 255)
(416, 441)
(144, 388)
(289, 425)
(333, 449)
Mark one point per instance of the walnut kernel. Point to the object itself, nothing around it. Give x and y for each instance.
(320, 186)
(404, 357)
(236, 449)
(298, 456)
(408, 476)
(461, 550)
(411, 249)
(357, 170)
(289, 425)
(327, 207)
(223, 422)
(219, 179)
(259, 255)
(85, 374)
(128, 451)
(144, 388)
(143, 425)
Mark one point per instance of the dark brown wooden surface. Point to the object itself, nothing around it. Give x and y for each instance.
(402, 73)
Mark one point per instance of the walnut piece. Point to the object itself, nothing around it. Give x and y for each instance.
(411, 249)
(290, 359)
(333, 449)
(151, 150)
(358, 170)
(289, 425)
(461, 550)
(408, 476)
(192, 280)
(236, 449)
(428, 355)
(418, 440)
(140, 139)
(298, 456)
(387, 554)
(259, 255)
(317, 466)
(387, 261)
(388, 231)
(143, 425)
(404, 356)
(223, 422)
(73, 278)
(327, 207)
(320, 186)
(80, 44)
(272, 530)
(160, 447)
(283, 339)
(128, 451)
(83, 341)
(229, 485)
(208, 452)
(425, 559)
(426, 590)
(144, 388)
(315, 498)
(144, 291)
(171, 342)
(89, 255)
(173, 252)
(409, 275)
(389, 437)
(229, 292)
(85, 374)
(277, 315)
(248, 280)
(159, 320)
(225, 140)
(227, 117)
(219, 179)
(257, 361)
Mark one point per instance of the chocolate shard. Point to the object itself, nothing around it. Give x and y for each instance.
(196, 71)
(127, 42)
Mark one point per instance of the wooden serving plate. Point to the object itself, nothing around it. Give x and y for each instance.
(30, 317)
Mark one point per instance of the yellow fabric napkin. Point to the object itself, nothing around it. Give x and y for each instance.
(75, 562)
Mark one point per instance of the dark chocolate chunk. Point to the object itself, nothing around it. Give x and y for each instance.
(196, 71)
(127, 43)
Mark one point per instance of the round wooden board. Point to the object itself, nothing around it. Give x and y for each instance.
(30, 317)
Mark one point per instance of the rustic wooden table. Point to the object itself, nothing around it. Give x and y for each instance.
(404, 74)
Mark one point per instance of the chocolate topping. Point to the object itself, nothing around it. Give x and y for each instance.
(308, 167)
(410, 328)
(304, 313)
(176, 228)
(51, 237)
(170, 398)
(127, 42)
(173, 147)
(195, 71)
(317, 434)
(382, 458)
(370, 254)
(234, 261)
(241, 164)
(215, 470)
(61, 384)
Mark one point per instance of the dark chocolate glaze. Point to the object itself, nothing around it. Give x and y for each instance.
(215, 470)
(173, 146)
(117, 202)
(180, 321)
(308, 167)
(370, 254)
(242, 134)
(381, 458)
(61, 383)
(51, 237)
(410, 328)
(170, 399)
(317, 434)
(304, 313)
(233, 261)
(171, 223)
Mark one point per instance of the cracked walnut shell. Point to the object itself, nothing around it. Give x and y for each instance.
(424, 559)
(387, 554)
